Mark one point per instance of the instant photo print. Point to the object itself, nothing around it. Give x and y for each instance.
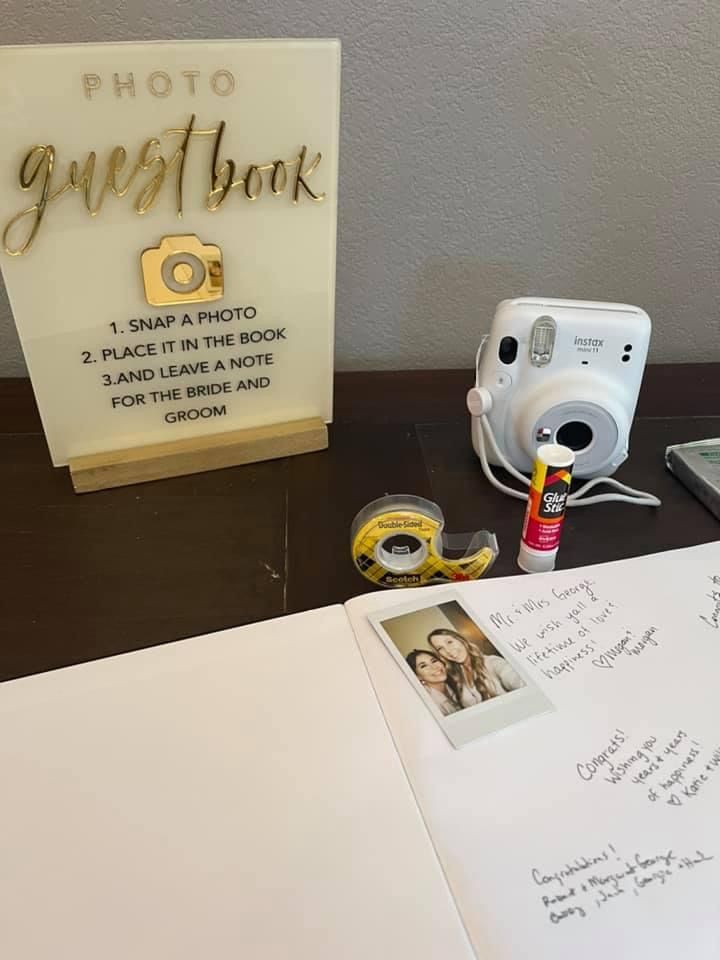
(468, 680)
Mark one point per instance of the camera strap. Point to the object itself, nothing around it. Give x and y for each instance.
(622, 494)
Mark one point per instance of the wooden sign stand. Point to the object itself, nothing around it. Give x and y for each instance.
(157, 461)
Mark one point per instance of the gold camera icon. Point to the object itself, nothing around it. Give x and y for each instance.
(182, 270)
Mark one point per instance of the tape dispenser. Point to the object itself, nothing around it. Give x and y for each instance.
(399, 541)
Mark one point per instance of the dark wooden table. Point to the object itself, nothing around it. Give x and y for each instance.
(90, 576)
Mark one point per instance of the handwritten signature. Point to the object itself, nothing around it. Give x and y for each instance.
(714, 619)
(606, 875)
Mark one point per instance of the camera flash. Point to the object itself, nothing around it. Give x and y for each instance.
(542, 341)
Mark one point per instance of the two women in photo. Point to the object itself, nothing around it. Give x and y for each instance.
(457, 674)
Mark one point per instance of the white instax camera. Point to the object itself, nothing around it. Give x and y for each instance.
(559, 371)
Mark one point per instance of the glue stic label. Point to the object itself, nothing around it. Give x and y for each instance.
(545, 512)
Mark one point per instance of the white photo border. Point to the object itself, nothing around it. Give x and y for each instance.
(471, 723)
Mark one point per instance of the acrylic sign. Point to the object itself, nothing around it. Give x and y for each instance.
(168, 215)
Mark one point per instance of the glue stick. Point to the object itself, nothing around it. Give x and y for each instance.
(549, 488)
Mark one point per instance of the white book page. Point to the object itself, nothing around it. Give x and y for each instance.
(591, 831)
(232, 796)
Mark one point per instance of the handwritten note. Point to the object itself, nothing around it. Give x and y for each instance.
(591, 881)
(673, 770)
(712, 617)
(571, 633)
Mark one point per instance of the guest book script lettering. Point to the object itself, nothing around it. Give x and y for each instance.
(40, 172)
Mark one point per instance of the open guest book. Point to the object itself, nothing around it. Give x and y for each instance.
(300, 789)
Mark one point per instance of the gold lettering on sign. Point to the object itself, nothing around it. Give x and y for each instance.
(253, 172)
(38, 163)
(301, 174)
(278, 181)
(222, 178)
(222, 82)
(120, 85)
(191, 76)
(38, 171)
(91, 82)
(149, 160)
(159, 84)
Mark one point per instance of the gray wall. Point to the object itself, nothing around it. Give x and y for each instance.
(490, 148)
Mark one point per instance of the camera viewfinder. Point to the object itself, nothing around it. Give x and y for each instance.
(508, 350)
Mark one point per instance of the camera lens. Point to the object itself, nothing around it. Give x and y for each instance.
(182, 272)
(575, 434)
(508, 350)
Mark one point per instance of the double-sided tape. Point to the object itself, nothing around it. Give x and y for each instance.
(399, 541)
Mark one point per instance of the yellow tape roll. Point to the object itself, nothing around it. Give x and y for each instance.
(399, 541)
